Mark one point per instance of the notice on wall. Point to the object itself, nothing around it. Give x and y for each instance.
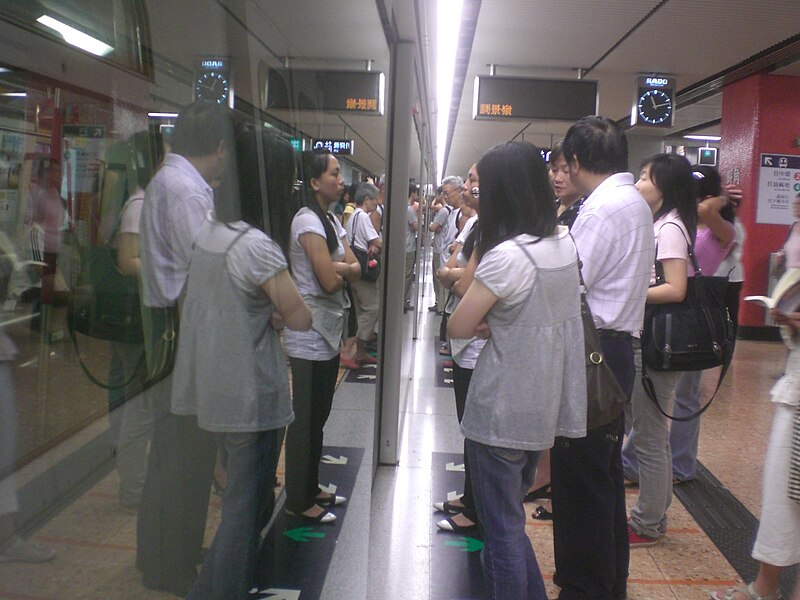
(778, 185)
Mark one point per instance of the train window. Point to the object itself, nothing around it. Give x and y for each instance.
(116, 30)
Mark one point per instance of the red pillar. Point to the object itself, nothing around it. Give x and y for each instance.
(760, 114)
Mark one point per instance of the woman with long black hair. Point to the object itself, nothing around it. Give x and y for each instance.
(525, 296)
(666, 183)
(321, 261)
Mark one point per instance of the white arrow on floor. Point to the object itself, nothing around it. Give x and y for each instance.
(366, 377)
(330, 489)
(453, 496)
(369, 366)
(278, 594)
(448, 380)
(342, 460)
(448, 370)
(454, 467)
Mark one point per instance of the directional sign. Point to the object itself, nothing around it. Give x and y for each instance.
(330, 488)
(467, 544)
(451, 466)
(303, 534)
(331, 460)
(277, 594)
(778, 184)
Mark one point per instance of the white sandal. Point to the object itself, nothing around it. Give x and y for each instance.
(748, 592)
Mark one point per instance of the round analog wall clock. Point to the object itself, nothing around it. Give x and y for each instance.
(212, 86)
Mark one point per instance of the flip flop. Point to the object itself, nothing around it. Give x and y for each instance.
(542, 514)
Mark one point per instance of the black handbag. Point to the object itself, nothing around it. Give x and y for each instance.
(692, 335)
(370, 267)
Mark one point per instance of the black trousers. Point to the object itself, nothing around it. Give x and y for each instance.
(590, 532)
(174, 506)
(461, 379)
(313, 386)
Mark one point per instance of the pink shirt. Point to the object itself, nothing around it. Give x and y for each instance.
(672, 241)
(709, 252)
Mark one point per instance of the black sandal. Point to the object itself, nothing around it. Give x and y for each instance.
(542, 514)
(544, 492)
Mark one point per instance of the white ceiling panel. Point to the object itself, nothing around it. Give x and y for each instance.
(692, 40)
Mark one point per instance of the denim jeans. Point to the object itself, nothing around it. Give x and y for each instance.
(500, 479)
(247, 505)
(647, 450)
(684, 435)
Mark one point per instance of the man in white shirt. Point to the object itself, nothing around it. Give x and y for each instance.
(445, 230)
(175, 497)
(614, 236)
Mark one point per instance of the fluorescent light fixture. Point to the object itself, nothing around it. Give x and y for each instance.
(704, 138)
(162, 115)
(75, 37)
(5, 70)
(14, 95)
(448, 13)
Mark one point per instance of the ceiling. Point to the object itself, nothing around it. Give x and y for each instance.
(611, 41)
(614, 40)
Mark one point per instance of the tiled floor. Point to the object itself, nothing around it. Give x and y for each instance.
(95, 538)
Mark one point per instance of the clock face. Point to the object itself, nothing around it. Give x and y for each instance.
(655, 107)
(212, 86)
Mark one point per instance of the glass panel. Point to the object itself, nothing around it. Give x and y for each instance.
(140, 373)
(116, 30)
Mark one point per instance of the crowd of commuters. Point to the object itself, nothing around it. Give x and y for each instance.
(513, 247)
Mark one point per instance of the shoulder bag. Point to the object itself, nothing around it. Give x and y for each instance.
(692, 335)
(605, 399)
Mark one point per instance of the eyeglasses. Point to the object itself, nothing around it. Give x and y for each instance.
(476, 192)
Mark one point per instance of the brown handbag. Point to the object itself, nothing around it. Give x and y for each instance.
(605, 398)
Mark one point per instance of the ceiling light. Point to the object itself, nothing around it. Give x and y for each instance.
(14, 95)
(704, 138)
(162, 115)
(75, 37)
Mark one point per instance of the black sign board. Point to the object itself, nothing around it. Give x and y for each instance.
(526, 98)
(334, 146)
(346, 91)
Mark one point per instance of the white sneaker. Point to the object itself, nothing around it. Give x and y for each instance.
(25, 551)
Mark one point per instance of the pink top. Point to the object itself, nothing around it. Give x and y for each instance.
(791, 248)
(709, 252)
(672, 241)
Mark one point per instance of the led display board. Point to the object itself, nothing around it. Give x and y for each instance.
(525, 98)
(333, 146)
(345, 91)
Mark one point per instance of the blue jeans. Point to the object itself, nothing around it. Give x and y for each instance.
(500, 479)
(247, 505)
(684, 435)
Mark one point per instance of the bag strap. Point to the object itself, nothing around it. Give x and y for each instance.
(689, 246)
(650, 390)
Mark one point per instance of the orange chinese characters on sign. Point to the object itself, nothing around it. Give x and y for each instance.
(361, 104)
(496, 110)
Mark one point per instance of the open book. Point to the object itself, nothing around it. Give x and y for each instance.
(786, 295)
